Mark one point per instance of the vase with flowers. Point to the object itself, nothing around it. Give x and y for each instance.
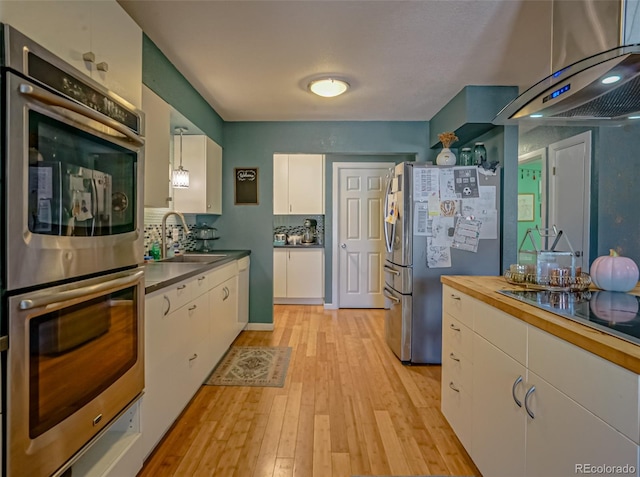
(446, 157)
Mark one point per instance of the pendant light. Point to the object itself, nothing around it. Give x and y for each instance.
(180, 178)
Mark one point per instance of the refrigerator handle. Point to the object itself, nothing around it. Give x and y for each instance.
(388, 295)
(388, 241)
(391, 270)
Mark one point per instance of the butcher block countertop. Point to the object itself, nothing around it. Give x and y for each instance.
(611, 348)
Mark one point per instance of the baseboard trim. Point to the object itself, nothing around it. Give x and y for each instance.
(330, 306)
(259, 327)
(298, 301)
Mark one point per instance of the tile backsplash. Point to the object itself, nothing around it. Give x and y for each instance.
(294, 224)
(153, 223)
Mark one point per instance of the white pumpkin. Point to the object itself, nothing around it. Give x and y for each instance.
(614, 273)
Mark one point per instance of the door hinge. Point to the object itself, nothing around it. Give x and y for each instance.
(554, 170)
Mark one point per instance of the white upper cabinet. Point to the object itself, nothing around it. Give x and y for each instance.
(298, 184)
(73, 29)
(157, 156)
(202, 157)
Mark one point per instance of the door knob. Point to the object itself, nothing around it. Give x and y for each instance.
(343, 245)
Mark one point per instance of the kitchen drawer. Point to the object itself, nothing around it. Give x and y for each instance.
(458, 305)
(222, 274)
(506, 332)
(456, 407)
(200, 285)
(606, 389)
(456, 336)
(179, 294)
(458, 368)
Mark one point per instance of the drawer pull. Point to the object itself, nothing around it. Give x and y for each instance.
(453, 357)
(526, 401)
(181, 287)
(513, 391)
(453, 387)
(166, 298)
(191, 308)
(193, 357)
(201, 278)
(455, 297)
(453, 327)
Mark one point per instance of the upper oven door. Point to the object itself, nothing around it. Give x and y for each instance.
(73, 186)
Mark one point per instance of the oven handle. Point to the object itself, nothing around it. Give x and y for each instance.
(54, 100)
(47, 298)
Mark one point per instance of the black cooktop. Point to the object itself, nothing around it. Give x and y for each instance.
(614, 313)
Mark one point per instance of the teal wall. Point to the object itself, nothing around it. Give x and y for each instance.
(252, 144)
(167, 82)
(615, 221)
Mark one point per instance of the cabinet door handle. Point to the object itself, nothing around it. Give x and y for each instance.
(513, 391)
(453, 357)
(226, 293)
(290, 209)
(453, 327)
(166, 298)
(182, 287)
(526, 401)
(453, 387)
(193, 357)
(191, 308)
(455, 297)
(201, 278)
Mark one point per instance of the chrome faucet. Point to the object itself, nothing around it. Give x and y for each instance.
(163, 232)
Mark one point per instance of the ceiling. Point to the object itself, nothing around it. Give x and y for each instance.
(404, 60)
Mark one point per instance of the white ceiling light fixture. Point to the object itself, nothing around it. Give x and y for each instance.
(328, 87)
(180, 176)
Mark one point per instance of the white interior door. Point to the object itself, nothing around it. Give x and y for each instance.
(360, 235)
(570, 192)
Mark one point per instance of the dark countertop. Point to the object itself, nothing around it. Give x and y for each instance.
(311, 245)
(162, 274)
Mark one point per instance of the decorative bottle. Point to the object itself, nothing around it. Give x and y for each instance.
(479, 153)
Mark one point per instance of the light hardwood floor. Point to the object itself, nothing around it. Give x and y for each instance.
(348, 407)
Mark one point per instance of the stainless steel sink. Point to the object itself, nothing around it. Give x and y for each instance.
(196, 258)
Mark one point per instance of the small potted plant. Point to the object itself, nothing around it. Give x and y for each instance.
(446, 157)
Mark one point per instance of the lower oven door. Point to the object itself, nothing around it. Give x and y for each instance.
(397, 323)
(75, 361)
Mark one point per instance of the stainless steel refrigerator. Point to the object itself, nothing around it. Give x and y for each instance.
(437, 221)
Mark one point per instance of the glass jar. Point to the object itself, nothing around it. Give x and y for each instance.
(466, 157)
(479, 153)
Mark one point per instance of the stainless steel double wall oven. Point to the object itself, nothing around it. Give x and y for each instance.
(73, 294)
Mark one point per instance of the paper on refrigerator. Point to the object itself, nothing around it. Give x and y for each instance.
(437, 255)
(426, 183)
(484, 209)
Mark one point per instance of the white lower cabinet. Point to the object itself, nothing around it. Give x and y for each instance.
(498, 423)
(563, 435)
(298, 276)
(540, 406)
(188, 328)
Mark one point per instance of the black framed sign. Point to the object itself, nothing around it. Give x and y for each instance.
(246, 185)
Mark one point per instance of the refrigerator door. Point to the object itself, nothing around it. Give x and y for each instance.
(397, 324)
(399, 249)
